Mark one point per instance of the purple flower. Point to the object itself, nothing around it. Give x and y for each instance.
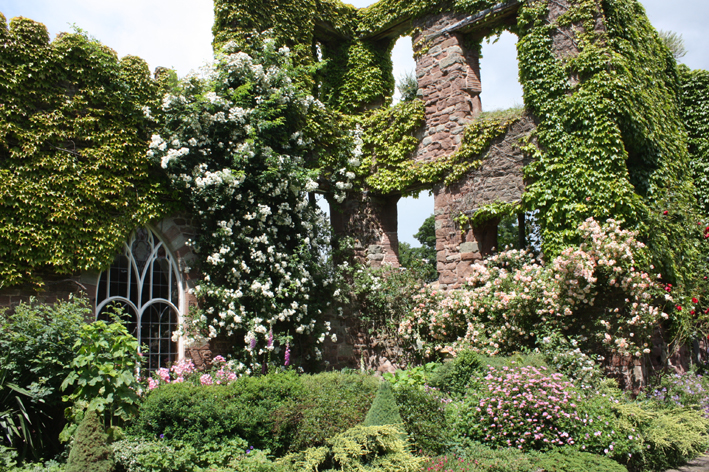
(287, 356)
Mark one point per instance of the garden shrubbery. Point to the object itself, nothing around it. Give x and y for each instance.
(36, 351)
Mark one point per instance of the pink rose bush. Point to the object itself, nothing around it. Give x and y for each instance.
(594, 291)
(223, 372)
(525, 407)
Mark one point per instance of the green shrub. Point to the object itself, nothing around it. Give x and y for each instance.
(329, 404)
(571, 460)
(669, 437)
(204, 414)
(477, 456)
(362, 448)
(423, 413)
(255, 461)
(681, 390)
(89, 452)
(417, 376)
(384, 409)
(36, 349)
(103, 373)
(454, 376)
(164, 455)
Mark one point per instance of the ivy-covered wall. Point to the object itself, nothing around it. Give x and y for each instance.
(73, 134)
(695, 114)
(610, 138)
(603, 88)
(611, 113)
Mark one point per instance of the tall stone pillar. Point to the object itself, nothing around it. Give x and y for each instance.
(448, 74)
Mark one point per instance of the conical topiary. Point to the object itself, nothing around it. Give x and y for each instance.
(384, 409)
(90, 452)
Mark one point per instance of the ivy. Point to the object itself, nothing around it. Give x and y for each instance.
(73, 131)
(390, 141)
(358, 75)
(482, 215)
(695, 114)
(610, 144)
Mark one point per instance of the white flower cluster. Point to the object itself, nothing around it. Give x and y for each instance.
(259, 237)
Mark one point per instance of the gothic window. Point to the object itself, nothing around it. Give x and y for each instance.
(144, 281)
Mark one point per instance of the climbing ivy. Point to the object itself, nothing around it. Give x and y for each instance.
(610, 141)
(388, 13)
(495, 210)
(695, 114)
(73, 133)
(389, 142)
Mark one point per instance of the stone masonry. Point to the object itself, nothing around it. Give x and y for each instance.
(372, 222)
(448, 75)
(498, 179)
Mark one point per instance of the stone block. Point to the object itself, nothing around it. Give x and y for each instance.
(453, 257)
(471, 256)
(469, 247)
(374, 249)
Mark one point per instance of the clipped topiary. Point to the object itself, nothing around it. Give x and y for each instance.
(90, 453)
(384, 410)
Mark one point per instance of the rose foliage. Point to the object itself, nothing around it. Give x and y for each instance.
(594, 293)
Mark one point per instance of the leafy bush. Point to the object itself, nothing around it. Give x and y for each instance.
(36, 349)
(204, 414)
(384, 296)
(90, 451)
(423, 413)
(571, 460)
(454, 376)
(384, 409)
(370, 448)
(682, 390)
(103, 373)
(669, 437)
(328, 404)
(15, 425)
(416, 376)
(164, 455)
(480, 457)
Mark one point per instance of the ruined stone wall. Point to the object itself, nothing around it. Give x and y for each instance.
(372, 222)
(498, 179)
(448, 75)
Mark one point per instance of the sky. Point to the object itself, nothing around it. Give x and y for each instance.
(177, 34)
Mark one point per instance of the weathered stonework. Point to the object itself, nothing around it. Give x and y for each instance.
(498, 179)
(372, 222)
(448, 75)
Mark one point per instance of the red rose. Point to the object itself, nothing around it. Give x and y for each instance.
(679, 308)
(665, 212)
(694, 300)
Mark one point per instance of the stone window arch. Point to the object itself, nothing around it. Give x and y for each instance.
(145, 282)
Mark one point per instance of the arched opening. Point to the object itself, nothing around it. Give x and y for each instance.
(144, 282)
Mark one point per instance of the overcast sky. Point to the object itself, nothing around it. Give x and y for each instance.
(177, 34)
